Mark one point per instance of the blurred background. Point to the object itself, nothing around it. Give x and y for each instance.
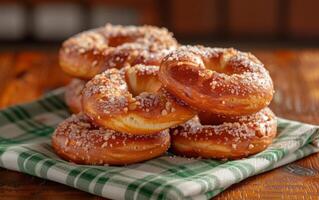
(238, 23)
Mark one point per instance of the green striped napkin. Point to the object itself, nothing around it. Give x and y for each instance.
(25, 146)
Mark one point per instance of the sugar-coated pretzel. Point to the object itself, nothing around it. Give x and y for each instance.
(113, 46)
(73, 95)
(222, 81)
(78, 140)
(131, 100)
(237, 138)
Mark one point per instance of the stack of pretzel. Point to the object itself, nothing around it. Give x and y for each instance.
(137, 92)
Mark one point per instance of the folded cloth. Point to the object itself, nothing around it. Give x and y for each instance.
(25, 132)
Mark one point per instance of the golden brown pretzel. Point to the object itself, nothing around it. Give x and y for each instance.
(240, 137)
(73, 95)
(222, 81)
(78, 140)
(131, 100)
(91, 52)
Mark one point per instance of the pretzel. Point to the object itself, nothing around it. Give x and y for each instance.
(132, 100)
(236, 138)
(78, 140)
(91, 52)
(221, 81)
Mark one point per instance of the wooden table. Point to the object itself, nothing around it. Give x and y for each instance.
(26, 75)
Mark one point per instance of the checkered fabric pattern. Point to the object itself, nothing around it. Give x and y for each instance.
(25, 132)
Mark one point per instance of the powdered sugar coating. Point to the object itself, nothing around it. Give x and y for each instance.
(241, 127)
(79, 128)
(113, 89)
(141, 69)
